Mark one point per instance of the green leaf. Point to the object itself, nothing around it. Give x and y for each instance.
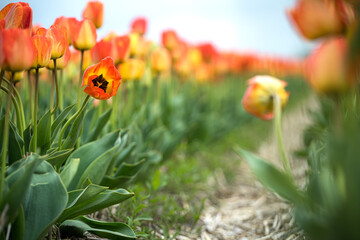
(74, 132)
(45, 200)
(69, 171)
(27, 137)
(91, 199)
(90, 152)
(126, 173)
(109, 230)
(44, 132)
(124, 153)
(57, 158)
(272, 178)
(100, 124)
(15, 142)
(18, 181)
(59, 120)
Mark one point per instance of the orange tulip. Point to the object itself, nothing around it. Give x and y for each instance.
(102, 80)
(132, 69)
(208, 52)
(160, 60)
(318, 18)
(43, 47)
(139, 26)
(326, 68)
(65, 24)
(16, 50)
(169, 39)
(62, 62)
(203, 73)
(94, 11)
(258, 98)
(103, 49)
(83, 34)
(122, 44)
(17, 15)
(59, 41)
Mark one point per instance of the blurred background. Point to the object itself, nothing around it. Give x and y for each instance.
(259, 26)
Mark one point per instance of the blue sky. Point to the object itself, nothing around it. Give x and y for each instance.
(241, 25)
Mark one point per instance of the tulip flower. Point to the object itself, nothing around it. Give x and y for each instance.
(65, 24)
(62, 62)
(318, 18)
(17, 15)
(160, 60)
(43, 49)
(208, 52)
(16, 50)
(94, 11)
(122, 44)
(326, 68)
(59, 41)
(169, 39)
(132, 69)
(83, 34)
(259, 96)
(101, 80)
(139, 26)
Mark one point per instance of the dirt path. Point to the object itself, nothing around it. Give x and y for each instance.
(247, 210)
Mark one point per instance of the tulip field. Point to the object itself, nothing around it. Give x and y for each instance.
(123, 137)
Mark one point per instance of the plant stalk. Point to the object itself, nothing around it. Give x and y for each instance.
(80, 79)
(56, 88)
(36, 95)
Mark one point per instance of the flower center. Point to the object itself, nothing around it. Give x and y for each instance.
(100, 82)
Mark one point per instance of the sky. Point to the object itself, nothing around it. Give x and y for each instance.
(259, 26)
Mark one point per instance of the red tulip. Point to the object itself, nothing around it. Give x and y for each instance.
(169, 39)
(94, 11)
(16, 50)
(17, 15)
(102, 80)
(83, 34)
(139, 26)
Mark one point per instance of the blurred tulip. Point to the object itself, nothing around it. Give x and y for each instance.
(169, 39)
(183, 68)
(94, 11)
(326, 67)
(17, 15)
(16, 50)
(122, 44)
(132, 69)
(194, 56)
(42, 47)
(17, 77)
(59, 41)
(160, 60)
(318, 18)
(208, 52)
(103, 49)
(258, 98)
(101, 80)
(62, 62)
(139, 26)
(83, 34)
(65, 24)
(203, 73)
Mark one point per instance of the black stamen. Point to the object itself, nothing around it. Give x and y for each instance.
(100, 82)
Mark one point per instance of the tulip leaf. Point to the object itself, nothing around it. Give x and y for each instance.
(109, 230)
(18, 181)
(44, 132)
(100, 124)
(74, 132)
(45, 200)
(59, 120)
(124, 154)
(91, 199)
(69, 171)
(27, 138)
(126, 172)
(15, 144)
(89, 152)
(272, 178)
(57, 158)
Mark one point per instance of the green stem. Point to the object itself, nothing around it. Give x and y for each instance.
(76, 114)
(80, 79)
(2, 73)
(36, 95)
(56, 88)
(52, 95)
(61, 90)
(19, 101)
(6, 135)
(30, 94)
(279, 135)
(17, 110)
(114, 114)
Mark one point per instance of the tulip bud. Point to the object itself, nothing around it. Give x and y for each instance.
(83, 34)
(160, 60)
(42, 47)
(17, 15)
(59, 41)
(139, 26)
